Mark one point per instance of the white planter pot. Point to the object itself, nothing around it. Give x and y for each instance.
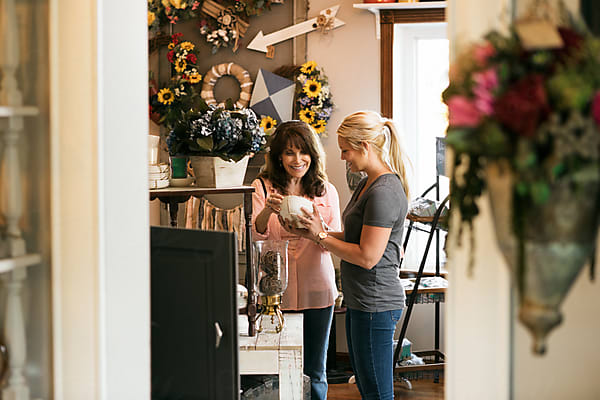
(214, 172)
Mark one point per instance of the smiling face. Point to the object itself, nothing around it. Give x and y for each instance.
(295, 161)
(354, 158)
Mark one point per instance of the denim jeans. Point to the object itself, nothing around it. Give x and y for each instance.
(370, 346)
(317, 323)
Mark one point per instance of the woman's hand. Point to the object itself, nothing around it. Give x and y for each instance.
(273, 202)
(312, 222)
(291, 228)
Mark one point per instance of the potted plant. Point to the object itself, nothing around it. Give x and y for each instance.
(524, 124)
(218, 140)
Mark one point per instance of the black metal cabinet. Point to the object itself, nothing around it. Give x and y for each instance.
(194, 333)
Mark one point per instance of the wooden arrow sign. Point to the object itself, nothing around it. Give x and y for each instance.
(260, 41)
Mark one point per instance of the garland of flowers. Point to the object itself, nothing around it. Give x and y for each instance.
(181, 93)
(313, 98)
(222, 27)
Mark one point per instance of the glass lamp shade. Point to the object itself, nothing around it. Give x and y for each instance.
(270, 259)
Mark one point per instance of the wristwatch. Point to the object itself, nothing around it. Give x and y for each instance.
(322, 235)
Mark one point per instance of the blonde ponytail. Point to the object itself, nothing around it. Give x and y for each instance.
(397, 155)
(370, 127)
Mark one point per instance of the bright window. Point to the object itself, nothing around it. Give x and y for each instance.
(421, 61)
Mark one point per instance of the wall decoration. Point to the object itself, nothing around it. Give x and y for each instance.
(325, 21)
(218, 71)
(524, 123)
(273, 96)
(229, 26)
(225, 21)
(180, 94)
(313, 97)
(172, 11)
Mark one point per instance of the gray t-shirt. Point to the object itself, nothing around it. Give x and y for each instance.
(383, 204)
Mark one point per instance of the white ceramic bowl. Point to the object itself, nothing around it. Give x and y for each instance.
(181, 182)
(291, 208)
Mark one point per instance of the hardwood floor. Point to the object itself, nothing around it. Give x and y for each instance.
(422, 389)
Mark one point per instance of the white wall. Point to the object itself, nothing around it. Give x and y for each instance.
(479, 320)
(100, 236)
(349, 56)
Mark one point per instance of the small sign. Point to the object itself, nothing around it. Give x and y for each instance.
(538, 34)
(270, 51)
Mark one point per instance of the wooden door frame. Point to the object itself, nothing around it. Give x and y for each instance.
(387, 21)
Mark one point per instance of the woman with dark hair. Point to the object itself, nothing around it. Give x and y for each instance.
(296, 166)
(370, 247)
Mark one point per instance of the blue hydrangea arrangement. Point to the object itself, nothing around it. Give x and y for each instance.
(226, 132)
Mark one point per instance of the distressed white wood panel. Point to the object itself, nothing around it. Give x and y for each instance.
(274, 353)
(291, 335)
(259, 362)
(290, 374)
(245, 342)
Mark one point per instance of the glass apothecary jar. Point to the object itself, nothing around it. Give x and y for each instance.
(270, 265)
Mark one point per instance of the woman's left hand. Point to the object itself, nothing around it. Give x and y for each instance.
(312, 222)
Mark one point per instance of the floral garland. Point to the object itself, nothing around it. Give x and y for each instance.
(162, 12)
(182, 91)
(313, 97)
(222, 22)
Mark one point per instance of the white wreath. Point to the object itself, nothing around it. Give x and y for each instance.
(218, 71)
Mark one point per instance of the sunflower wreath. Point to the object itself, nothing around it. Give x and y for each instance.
(314, 102)
(181, 93)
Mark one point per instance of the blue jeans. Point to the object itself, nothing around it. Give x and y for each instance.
(317, 323)
(370, 346)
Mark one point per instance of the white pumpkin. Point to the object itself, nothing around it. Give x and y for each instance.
(291, 208)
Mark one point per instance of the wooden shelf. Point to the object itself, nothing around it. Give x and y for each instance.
(397, 6)
(197, 191)
(375, 8)
(9, 264)
(21, 111)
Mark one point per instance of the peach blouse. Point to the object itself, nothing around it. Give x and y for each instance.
(311, 276)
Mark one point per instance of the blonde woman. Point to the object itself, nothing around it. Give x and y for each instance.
(369, 246)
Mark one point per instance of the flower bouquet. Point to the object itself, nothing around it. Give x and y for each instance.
(224, 132)
(523, 123)
(313, 98)
(172, 11)
(182, 92)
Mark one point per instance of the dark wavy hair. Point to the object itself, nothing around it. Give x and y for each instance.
(296, 134)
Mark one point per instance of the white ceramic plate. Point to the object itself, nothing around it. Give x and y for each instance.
(158, 184)
(158, 168)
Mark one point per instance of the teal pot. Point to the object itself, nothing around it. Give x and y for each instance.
(179, 167)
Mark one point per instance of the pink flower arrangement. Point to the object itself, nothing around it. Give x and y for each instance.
(537, 110)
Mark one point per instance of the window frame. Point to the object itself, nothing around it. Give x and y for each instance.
(386, 23)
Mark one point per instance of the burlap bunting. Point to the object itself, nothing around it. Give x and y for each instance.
(202, 214)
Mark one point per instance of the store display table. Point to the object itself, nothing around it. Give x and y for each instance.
(274, 354)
